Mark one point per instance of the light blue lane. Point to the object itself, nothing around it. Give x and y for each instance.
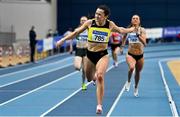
(45, 98)
(163, 54)
(173, 85)
(155, 48)
(49, 59)
(34, 71)
(86, 101)
(36, 103)
(152, 100)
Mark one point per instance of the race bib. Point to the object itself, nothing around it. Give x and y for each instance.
(132, 38)
(82, 38)
(117, 38)
(99, 36)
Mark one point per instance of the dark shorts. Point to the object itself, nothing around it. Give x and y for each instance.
(81, 52)
(114, 46)
(136, 57)
(96, 56)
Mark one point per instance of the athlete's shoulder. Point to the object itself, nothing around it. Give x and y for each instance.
(89, 21)
(142, 29)
(111, 22)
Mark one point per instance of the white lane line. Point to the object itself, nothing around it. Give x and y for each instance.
(41, 66)
(38, 88)
(58, 104)
(120, 94)
(117, 99)
(26, 78)
(115, 102)
(17, 66)
(50, 57)
(168, 92)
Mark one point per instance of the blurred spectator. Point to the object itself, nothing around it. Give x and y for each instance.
(56, 33)
(32, 39)
(50, 33)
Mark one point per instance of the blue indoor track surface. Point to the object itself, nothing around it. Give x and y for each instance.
(52, 87)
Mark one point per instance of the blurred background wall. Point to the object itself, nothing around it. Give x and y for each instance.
(154, 13)
(19, 15)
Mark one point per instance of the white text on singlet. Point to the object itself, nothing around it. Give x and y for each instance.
(132, 38)
(82, 37)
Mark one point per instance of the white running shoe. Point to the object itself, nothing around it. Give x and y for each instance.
(94, 82)
(115, 64)
(136, 94)
(99, 109)
(127, 86)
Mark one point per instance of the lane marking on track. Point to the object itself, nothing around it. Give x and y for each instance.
(121, 92)
(115, 102)
(33, 68)
(58, 104)
(38, 88)
(26, 78)
(168, 92)
(117, 99)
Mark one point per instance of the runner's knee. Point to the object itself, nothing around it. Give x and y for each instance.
(131, 69)
(100, 76)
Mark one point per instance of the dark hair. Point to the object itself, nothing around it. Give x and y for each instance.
(84, 16)
(90, 15)
(32, 27)
(106, 9)
(130, 25)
